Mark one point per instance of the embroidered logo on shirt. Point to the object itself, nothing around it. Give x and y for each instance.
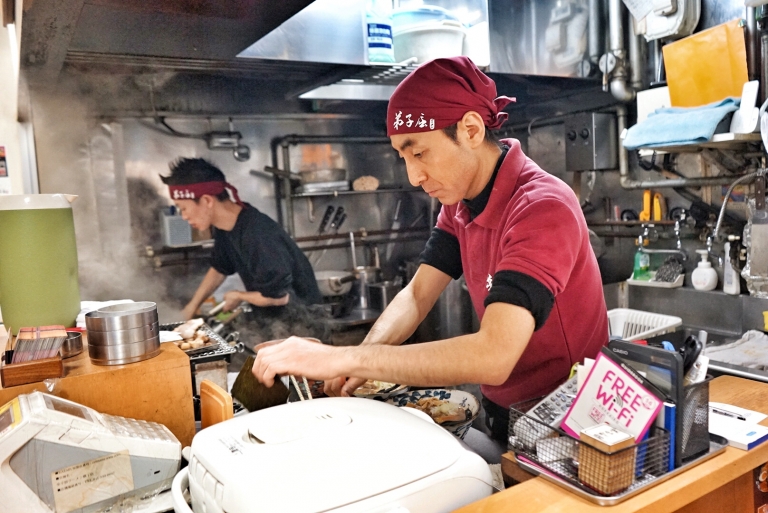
(488, 282)
(421, 122)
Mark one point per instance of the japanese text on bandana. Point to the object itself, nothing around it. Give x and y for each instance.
(183, 194)
(408, 121)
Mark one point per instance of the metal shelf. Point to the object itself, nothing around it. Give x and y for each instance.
(725, 141)
(351, 193)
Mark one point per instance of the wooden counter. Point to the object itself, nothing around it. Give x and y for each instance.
(721, 484)
(157, 390)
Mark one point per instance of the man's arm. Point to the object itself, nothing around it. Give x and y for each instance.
(485, 357)
(211, 282)
(235, 297)
(399, 320)
(409, 307)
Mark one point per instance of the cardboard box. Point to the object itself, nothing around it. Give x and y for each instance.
(606, 459)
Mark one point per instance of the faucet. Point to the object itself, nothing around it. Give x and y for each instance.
(713, 257)
(646, 235)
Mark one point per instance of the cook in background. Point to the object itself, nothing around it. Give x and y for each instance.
(278, 278)
(515, 232)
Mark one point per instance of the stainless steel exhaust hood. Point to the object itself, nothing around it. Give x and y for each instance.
(127, 52)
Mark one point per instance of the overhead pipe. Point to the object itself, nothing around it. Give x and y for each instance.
(638, 54)
(595, 31)
(752, 52)
(620, 88)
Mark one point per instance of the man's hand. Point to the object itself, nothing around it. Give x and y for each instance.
(232, 299)
(295, 356)
(342, 387)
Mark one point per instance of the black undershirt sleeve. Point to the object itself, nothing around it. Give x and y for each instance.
(442, 252)
(520, 289)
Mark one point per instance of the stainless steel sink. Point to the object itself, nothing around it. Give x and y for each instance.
(717, 368)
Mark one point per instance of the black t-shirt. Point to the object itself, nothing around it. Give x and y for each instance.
(265, 257)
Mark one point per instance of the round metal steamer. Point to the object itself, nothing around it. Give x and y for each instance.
(124, 316)
(123, 333)
(117, 337)
(124, 353)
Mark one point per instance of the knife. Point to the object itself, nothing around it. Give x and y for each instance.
(338, 220)
(326, 218)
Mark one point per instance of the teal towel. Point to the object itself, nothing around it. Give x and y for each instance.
(675, 126)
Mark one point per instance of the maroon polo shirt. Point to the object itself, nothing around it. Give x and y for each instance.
(533, 224)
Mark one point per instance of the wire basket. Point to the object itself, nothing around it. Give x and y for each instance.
(631, 324)
(589, 468)
(695, 420)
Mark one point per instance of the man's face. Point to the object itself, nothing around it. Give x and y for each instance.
(196, 213)
(443, 168)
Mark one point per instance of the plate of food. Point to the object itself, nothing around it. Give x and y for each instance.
(375, 389)
(452, 409)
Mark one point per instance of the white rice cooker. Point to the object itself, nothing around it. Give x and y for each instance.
(331, 454)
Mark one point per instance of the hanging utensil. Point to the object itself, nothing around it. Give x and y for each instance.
(321, 229)
(338, 220)
(395, 226)
(326, 219)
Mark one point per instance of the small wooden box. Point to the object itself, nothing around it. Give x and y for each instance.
(606, 459)
(15, 374)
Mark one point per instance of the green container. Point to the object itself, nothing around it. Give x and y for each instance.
(38, 261)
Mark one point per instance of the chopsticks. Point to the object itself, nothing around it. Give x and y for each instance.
(298, 389)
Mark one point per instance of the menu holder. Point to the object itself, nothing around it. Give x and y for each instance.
(15, 374)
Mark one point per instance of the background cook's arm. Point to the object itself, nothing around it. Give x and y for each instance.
(210, 283)
(235, 297)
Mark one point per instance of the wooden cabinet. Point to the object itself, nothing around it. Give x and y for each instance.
(157, 390)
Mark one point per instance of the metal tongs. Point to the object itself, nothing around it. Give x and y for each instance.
(218, 325)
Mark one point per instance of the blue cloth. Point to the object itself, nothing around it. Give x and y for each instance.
(674, 126)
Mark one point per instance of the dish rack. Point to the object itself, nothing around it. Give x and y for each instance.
(629, 324)
(202, 354)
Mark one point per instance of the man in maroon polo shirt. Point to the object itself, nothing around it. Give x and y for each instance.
(516, 233)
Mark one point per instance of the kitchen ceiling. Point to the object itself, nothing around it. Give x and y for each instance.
(173, 31)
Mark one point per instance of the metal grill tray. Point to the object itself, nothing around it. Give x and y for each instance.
(717, 444)
(220, 348)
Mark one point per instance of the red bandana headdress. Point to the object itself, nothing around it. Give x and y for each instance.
(438, 93)
(196, 190)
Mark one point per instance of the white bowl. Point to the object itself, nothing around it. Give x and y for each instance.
(427, 41)
(465, 399)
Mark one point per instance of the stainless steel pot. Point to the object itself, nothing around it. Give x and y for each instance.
(381, 294)
(334, 283)
(365, 275)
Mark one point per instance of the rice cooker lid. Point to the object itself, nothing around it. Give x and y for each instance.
(322, 454)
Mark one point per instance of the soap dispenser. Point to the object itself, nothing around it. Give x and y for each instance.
(704, 277)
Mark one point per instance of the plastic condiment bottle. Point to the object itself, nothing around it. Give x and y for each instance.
(642, 264)
(378, 31)
(704, 277)
(731, 283)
